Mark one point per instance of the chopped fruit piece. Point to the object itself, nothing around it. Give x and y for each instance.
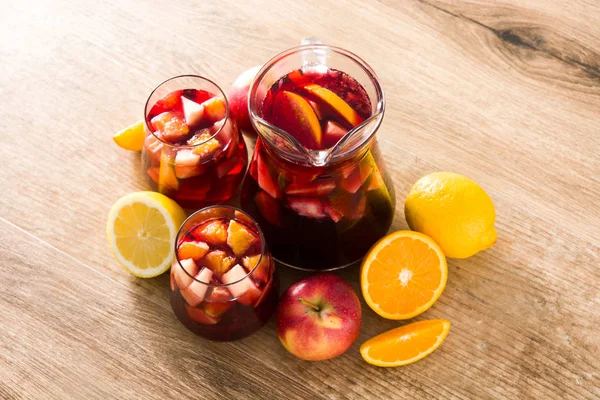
(217, 309)
(170, 102)
(214, 109)
(193, 250)
(154, 147)
(403, 265)
(334, 132)
(265, 180)
(194, 293)
(218, 302)
(269, 207)
(307, 206)
(208, 148)
(294, 115)
(320, 187)
(198, 315)
(261, 272)
(167, 179)
(318, 109)
(353, 179)
(170, 126)
(183, 272)
(239, 238)
(244, 288)
(199, 136)
(218, 262)
(332, 100)
(215, 232)
(131, 138)
(233, 166)
(347, 205)
(406, 344)
(153, 173)
(219, 295)
(186, 164)
(192, 111)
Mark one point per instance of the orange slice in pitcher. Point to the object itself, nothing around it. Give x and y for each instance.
(403, 275)
(335, 102)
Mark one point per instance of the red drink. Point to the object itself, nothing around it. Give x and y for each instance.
(193, 151)
(322, 216)
(223, 280)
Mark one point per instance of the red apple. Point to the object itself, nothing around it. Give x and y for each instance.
(238, 98)
(318, 317)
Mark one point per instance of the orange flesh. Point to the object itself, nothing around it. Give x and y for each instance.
(335, 102)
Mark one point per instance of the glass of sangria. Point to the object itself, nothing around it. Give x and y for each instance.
(317, 183)
(193, 151)
(223, 281)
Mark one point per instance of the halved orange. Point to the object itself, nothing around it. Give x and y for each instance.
(405, 345)
(403, 275)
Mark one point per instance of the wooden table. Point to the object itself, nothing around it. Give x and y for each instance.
(507, 93)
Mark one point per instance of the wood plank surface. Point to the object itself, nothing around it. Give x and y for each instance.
(506, 92)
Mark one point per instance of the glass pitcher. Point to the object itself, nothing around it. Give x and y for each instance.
(322, 195)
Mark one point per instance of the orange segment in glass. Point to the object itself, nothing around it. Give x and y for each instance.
(403, 275)
(406, 344)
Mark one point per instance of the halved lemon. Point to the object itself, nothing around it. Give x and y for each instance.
(403, 275)
(405, 345)
(132, 137)
(141, 232)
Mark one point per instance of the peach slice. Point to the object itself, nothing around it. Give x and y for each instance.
(194, 293)
(193, 250)
(170, 126)
(334, 102)
(192, 111)
(214, 109)
(218, 262)
(153, 146)
(215, 232)
(295, 115)
(186, 164)
(239, 238)
(182, 279)
(198, 315)
(244, 288)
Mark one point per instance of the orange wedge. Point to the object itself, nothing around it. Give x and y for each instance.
(336, 103)
(403, 275)
(405, 345)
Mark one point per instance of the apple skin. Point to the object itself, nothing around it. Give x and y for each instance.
(318, 317)
(238, 98)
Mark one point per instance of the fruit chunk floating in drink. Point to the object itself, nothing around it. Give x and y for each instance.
(223, 280)
(193, 151)
(324, 216)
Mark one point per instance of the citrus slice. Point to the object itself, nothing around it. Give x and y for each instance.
(403, 275)
(131, 138)
(141, 232)
(406, 344)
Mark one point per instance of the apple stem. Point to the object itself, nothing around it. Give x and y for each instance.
(311, 305)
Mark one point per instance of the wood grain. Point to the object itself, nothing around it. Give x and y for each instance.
(505, 92)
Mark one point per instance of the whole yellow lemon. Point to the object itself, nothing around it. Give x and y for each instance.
(453, 210)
